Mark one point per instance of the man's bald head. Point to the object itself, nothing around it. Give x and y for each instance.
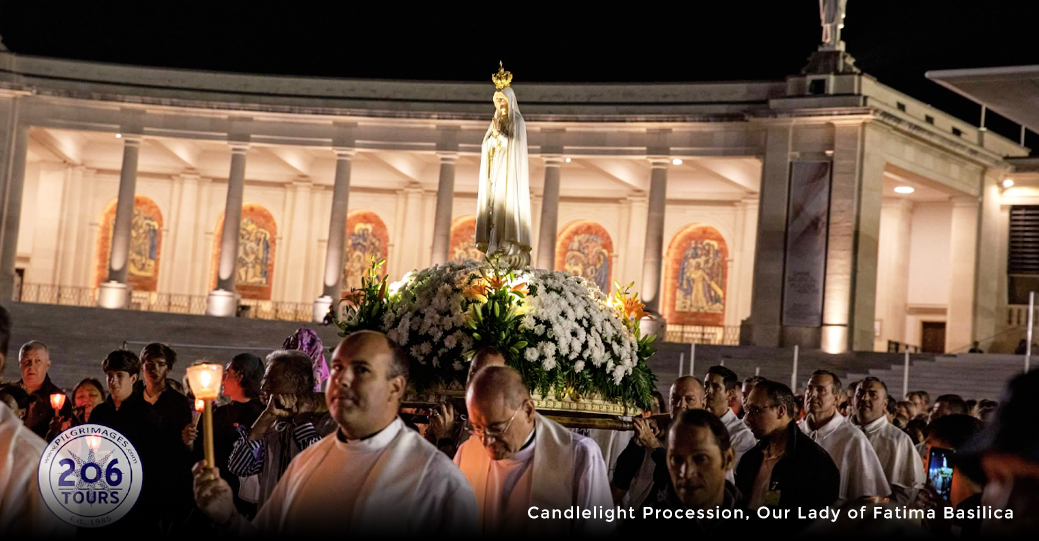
(500, 410)
(686, 394)
(494, 383)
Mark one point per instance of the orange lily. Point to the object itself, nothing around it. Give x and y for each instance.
(476, 290)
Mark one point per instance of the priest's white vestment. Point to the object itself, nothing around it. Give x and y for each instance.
(861, 471)
(22, 511)
(558, 470)
(393, 483)
(898, 456)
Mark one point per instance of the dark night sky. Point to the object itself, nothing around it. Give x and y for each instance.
(896, 41)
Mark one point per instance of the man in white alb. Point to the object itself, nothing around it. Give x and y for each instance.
(372, 476)
(517, 459)
(894, 448)
(720, 388)
(861, 471)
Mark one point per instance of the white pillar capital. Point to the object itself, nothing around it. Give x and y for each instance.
(344, 153)
(552, 160)
(659, 162)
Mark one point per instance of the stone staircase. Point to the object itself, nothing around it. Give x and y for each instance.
(972, 376)
(79, 338)
(772, 363)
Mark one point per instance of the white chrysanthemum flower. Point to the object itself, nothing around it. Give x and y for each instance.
(578, 367)
(548, 364)
(458, 366)
(539, 329)
(531, 354)
(450, 341)
(527, 322)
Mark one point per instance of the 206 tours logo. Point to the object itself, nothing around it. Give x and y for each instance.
(90, 476)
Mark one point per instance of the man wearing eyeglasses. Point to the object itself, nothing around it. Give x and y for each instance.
(786, 470)
(521, 464)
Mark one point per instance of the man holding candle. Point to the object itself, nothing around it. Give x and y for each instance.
(241, 383)
(373, 476)
(34, 362)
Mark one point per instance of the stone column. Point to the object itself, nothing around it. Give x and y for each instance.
(764, 326)
(963, 241)
(115, 293)
(17, 150)
(223, 301)
(653, 256)
(989, 301)
(445, 205)
(849, 299)
(549, 214)
(333, 276)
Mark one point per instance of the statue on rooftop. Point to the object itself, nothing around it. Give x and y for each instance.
(503, 208)
(831, 15)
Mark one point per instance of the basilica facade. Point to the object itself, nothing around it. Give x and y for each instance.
(826, 210)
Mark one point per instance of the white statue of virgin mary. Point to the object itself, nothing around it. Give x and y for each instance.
(503, 209)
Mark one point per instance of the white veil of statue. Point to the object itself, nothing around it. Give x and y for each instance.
(503, 210)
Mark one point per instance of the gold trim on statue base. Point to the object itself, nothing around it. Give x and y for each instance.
(591, 406)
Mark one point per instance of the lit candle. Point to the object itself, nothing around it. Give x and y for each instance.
(57, 401)
(204, 380)
(200, 405)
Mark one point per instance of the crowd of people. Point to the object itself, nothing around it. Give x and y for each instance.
(303, 445)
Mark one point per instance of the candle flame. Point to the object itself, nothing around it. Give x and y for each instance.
(93, 442)
(57, 400)
(200, 405)
(205, 378)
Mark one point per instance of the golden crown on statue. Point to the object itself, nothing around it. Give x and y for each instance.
(503, 78)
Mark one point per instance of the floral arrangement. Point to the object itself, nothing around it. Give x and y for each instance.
(567, 338)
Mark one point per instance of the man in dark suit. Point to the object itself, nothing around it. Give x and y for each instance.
(786, 470)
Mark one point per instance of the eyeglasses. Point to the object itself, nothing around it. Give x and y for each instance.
(482, 433)
(754, 410)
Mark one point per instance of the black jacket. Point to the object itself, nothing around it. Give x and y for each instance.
(805, 476)
(40, 412)
(224, 436)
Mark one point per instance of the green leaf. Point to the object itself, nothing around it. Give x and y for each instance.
(497, 312)
(476, 336)
(521, 344)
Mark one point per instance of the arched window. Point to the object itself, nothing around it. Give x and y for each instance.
(257, 239)
(463, 240)
(694, 287)
(145, 244)
(366, 237)
(584, 248)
